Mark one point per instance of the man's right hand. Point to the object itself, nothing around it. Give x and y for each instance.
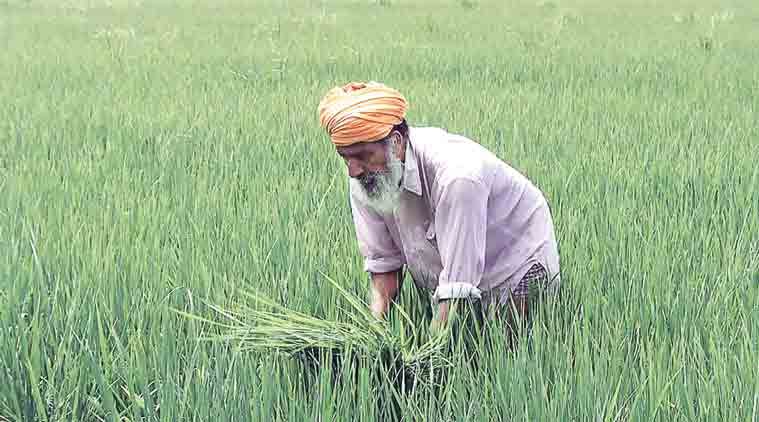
(385, 288)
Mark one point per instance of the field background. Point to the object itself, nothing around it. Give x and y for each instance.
(157, 154)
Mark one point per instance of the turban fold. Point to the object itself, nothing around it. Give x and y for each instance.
(361, 112)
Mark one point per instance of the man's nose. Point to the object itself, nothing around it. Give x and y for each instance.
(355, 169)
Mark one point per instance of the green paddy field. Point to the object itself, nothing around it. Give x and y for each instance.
(159, 156)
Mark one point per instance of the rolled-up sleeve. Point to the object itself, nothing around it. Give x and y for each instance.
(461, 225)
(380, 252)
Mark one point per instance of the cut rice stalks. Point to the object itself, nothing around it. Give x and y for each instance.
(264, 326)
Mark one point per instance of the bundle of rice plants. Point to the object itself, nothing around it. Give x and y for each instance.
(260, 324)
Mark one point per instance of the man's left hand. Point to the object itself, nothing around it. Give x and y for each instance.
(458, 317)
(440, 321)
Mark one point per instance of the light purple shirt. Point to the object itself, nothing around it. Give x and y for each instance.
(465, 219)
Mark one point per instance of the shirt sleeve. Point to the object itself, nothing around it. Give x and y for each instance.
(461, 226)
(381, 254)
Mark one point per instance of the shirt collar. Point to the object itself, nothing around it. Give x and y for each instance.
(411, 180)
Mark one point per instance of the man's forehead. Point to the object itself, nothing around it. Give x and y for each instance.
(356, 148)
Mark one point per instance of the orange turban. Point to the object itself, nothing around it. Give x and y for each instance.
(361, 112)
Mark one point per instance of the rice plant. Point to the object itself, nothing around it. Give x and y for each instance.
(264, 326)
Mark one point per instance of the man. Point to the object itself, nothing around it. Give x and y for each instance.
(465, 224)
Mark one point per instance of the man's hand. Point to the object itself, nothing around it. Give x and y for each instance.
(385, 288)
(458, 317)
(440, 320)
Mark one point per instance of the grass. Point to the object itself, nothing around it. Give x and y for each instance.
(163, 155)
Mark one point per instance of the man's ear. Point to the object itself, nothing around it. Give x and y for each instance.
(396, 138)
(398, 144)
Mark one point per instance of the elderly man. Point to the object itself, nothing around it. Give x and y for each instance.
(463, 222)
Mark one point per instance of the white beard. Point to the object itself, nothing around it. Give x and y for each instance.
(386, 195)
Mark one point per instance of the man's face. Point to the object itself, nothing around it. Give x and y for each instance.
(375, 169)
(365, 161)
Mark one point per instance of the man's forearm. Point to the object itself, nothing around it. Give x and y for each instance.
(385, 288)
(441, 317)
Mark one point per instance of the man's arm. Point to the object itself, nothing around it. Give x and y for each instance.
(385, 288)
(383, 259)
(462, 219)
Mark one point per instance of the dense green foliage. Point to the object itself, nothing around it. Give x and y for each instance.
(158, 155)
